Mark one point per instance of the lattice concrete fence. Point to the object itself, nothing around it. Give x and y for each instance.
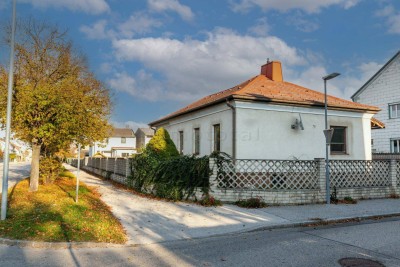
(116, 169)
(279, 181)
(301, 182)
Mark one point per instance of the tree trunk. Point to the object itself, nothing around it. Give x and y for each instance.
(34, 179)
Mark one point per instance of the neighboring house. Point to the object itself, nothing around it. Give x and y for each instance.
(120, 143)
(268, 118)
(383, 91)
(19, 150)
(143, 136)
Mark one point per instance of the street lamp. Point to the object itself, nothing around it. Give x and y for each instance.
(6, 160)
(328, 136)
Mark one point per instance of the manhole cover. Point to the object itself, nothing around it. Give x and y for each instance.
(358, 262)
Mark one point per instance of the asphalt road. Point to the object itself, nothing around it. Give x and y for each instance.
(17, 172)
(323, 246)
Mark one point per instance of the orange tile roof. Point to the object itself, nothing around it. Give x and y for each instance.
(261, 88)
(377, 124)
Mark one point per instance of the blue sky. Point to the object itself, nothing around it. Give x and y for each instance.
(159, 55)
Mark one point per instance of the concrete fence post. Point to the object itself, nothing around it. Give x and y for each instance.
(127, 169)
(393, 174)
(321, 177)
(214, 175)
(115, 166)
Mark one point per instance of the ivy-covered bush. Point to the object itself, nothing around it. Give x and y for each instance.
(49, 169)
(174, 178)
(161, 171)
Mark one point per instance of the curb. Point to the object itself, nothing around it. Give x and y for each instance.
(60, 245)
(74, 245)
(322, 222)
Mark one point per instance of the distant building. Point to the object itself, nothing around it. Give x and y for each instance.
(383, 90)
(19, 150)
(143, 136)
(120, 143)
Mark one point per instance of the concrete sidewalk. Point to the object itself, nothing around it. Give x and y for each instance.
(151, 221)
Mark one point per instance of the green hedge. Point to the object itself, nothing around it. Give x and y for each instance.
(49, 169)
(173, 178)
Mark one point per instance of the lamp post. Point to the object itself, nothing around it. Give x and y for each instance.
(8, 119)
(328, 136)
(77, 173)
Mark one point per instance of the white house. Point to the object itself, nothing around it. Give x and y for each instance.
(20, 150)
(121, 143)
(383, 91)
(266, 117)
(143, 136)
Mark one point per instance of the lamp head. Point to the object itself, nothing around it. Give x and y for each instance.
(330, 76)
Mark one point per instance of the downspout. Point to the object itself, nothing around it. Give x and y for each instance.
(233, 129)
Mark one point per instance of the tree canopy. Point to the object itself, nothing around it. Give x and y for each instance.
(56, 99)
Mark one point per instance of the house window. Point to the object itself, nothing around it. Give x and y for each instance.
(181, 142)
(394, 111)
(125, 155)
(217, 137)
(197, 141)
(338, 143)
(123, 140)
(395, 145)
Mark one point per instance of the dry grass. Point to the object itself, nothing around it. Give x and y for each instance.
(51, 214)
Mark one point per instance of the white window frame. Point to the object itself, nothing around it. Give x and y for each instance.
(394, 110)
(392, 143)
(196, 149)
(181, 138)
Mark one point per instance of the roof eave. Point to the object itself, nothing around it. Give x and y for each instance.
(157, 122)
(258, 99)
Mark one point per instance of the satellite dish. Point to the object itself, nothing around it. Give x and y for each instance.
(298, 124)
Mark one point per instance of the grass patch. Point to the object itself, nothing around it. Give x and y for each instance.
(67, 174)
(51, 215)
(251, 203)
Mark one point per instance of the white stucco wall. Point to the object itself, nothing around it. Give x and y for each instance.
(382, 91)
(204, 119)
(264, 131)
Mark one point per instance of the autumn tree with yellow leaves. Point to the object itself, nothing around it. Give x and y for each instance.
(57, 100)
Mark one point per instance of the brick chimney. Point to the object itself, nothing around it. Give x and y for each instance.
(273, 71)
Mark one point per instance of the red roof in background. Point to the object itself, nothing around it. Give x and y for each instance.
(261, 88)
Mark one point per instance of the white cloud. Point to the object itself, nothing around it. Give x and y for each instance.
(194, 68)
(309, 6)
(392, 17)
(171, 5)
(88, 6)
(343, 86)
(141, 85)
(138, 23)
(97, 30)
(302, 24)
(129, 124)
(261, 28)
